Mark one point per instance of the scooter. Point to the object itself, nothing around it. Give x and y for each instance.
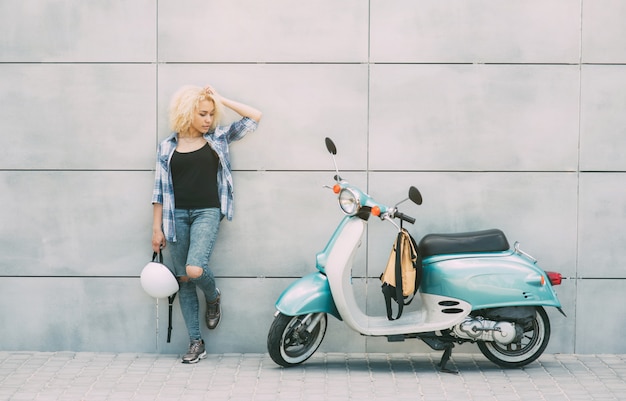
(474, 288)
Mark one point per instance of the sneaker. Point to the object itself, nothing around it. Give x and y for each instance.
(213, 312)
(196, 352)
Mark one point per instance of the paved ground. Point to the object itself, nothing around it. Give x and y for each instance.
(104, 376)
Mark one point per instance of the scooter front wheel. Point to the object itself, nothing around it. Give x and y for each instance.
(293, 339)
(523, 351)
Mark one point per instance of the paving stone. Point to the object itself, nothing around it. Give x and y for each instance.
(332, 376)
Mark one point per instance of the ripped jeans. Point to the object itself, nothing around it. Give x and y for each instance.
(196, 232)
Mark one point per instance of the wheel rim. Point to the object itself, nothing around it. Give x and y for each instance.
(297, 343)
(531, 343)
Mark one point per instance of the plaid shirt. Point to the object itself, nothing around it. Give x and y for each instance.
(163, 191)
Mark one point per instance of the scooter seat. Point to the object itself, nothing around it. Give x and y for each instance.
(492, 240)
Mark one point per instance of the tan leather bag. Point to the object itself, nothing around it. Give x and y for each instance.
(405, 263)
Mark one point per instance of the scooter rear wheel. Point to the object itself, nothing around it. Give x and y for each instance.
(524, 351)
(293, 339)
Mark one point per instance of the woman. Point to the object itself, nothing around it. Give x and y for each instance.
(193, 191)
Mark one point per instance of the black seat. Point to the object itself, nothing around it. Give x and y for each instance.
(492, 240)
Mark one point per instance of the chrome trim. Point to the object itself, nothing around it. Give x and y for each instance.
(520, 252)
(357, 201)
(389, 217)
(313, 323)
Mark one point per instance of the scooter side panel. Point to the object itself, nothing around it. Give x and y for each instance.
(309, 294)
(487, 281)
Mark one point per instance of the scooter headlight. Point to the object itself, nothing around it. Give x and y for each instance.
(349, 201)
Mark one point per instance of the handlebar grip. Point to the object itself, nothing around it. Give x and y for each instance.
(406, 218)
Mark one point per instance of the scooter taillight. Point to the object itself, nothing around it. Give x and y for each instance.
(555, 278)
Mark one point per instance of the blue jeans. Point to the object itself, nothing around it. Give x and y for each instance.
(196, 232)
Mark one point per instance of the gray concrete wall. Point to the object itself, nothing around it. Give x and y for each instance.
(505, 114)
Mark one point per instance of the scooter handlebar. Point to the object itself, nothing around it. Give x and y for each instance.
(404, 217)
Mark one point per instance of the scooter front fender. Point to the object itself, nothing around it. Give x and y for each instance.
(309, 294)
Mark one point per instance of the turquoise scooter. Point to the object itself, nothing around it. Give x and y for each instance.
(474, 288)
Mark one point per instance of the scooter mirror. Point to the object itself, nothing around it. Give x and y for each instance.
(330, 145)
(415, 195)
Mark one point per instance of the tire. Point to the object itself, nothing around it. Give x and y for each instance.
(523, 351)
(289, 343)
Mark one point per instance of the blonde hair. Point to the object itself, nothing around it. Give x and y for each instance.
(184, 105)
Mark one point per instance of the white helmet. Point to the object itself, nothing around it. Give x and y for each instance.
(158, 281)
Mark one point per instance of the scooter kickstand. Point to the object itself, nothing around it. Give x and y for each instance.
(445, 358)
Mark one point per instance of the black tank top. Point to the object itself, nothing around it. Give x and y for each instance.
(194, 176)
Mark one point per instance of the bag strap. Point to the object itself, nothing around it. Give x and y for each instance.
(399, 289)
(387, 289)
(170, 299)
(387, 293)
(414, 254)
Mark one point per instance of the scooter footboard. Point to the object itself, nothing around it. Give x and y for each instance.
(309, 294)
